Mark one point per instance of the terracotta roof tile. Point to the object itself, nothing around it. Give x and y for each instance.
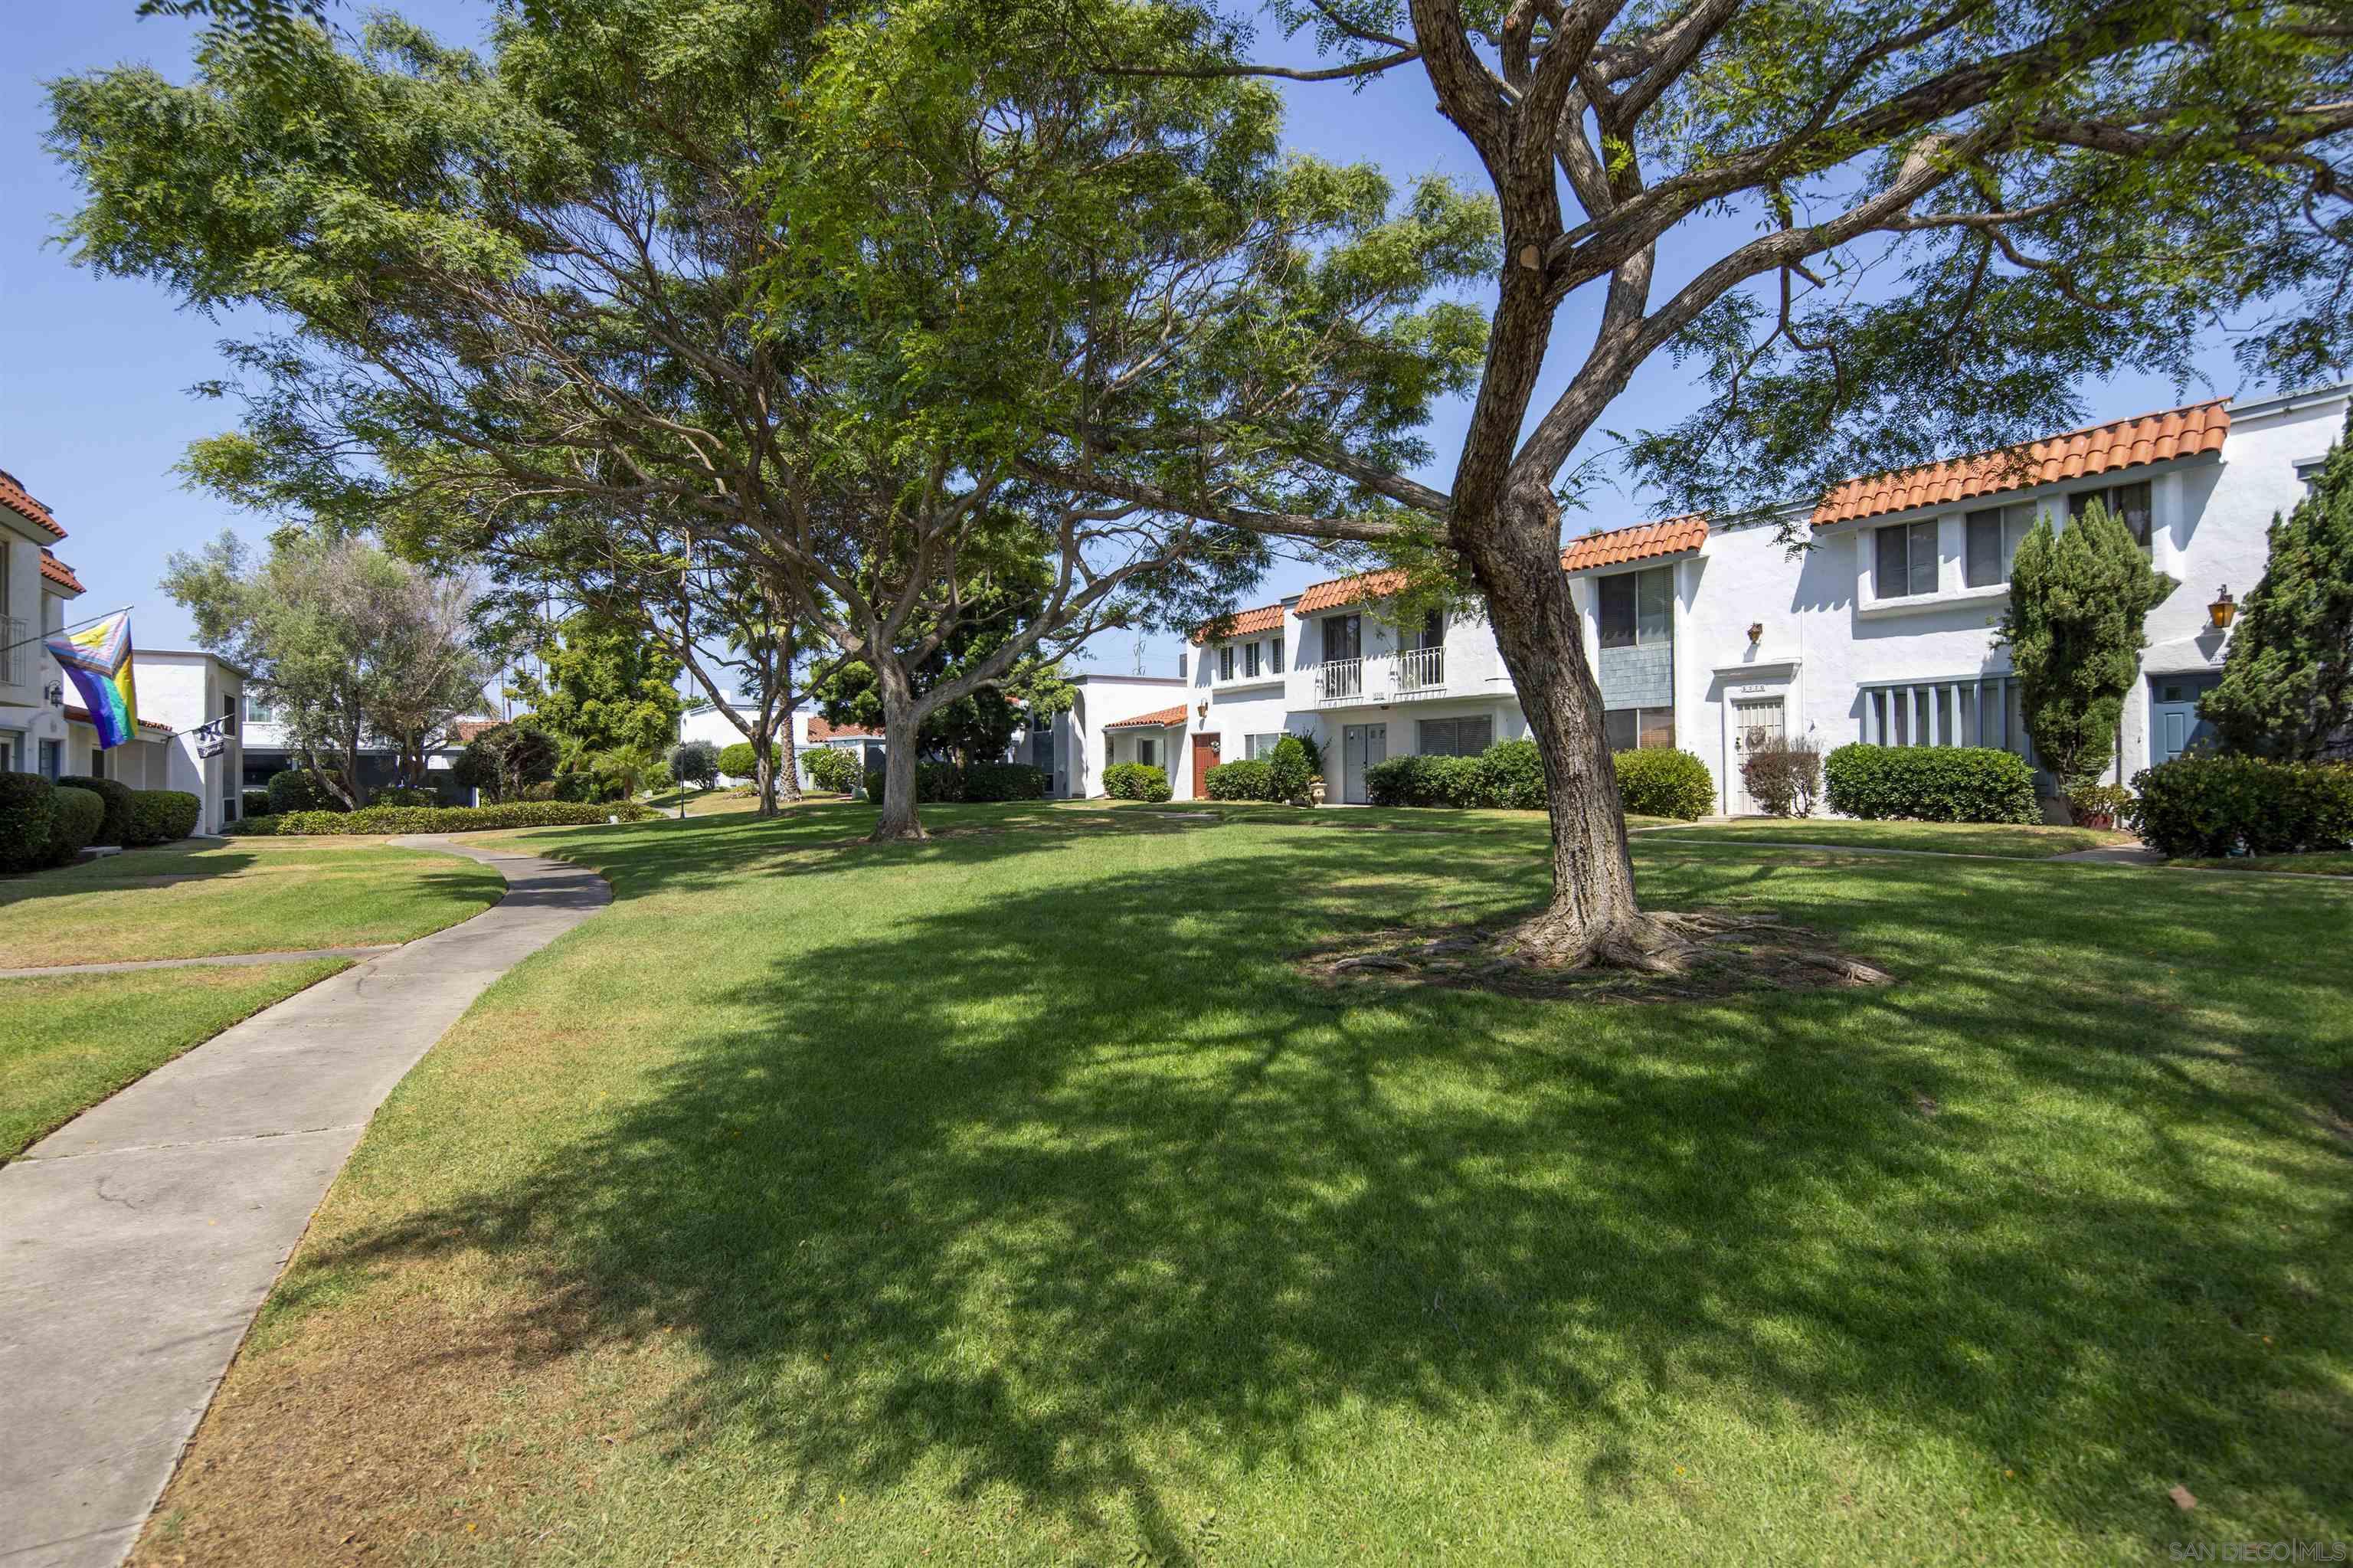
(1348, 591)
(81, 716)
(15, 497)
(59, 573)
(1643, 542)
(1162, 719)
(467, 729)
(1242, 622)
(819, 730)
(2102, 448)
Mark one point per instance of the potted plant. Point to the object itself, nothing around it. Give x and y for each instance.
(2099, 805)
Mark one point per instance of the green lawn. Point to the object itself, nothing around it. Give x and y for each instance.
(2005, 839)
(247, 895)
(2327, 862)
(73, 1040)
(1008, 1199)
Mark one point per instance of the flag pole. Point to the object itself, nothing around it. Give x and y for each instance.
(60, 631)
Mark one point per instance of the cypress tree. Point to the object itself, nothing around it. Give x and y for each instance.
(2287, 680)
(2078, 599)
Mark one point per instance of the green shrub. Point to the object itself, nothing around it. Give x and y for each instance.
(253, 803)
(404, 795)
(161, 817)
(1142, 782)
(1783, 776)
(261, 825)
(1659, 781)
(831, 767)
(1930, 783)
(1511, 774)
(117, 795)
(1314, 749)
(294, 789)
(696, 762)
(742, 760)
(543, 790)
(2230, 805)
(936, 784)
(1426, 781)
(460, 818)
(1231, 781)
(74, 817)
(1004, 781)
(1289, 769)
(23, 820)
(2109, 802)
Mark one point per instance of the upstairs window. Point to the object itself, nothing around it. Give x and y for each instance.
(1275, 648)
(1993, 537)
(1907, 560)
(2129, 501)
(1343, 637)
(1637, 609)
(1249, 661)
(1226, 661)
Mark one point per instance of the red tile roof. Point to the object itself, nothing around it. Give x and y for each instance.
(1348, 591)
(59, 573)
(81, 716)
(13, 497)
(1163, 719)
(2102, 448)
(467, 729)
(1242, 622)
(820, 730)
(1643, 542)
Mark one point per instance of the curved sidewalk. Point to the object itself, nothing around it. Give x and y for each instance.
(138, 1240)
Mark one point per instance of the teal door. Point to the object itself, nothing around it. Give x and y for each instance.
(2174, 725)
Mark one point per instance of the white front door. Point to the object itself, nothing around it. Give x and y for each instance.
(1757, 720)
(1361, 747)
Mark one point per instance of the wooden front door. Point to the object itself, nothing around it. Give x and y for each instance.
(1205, 757)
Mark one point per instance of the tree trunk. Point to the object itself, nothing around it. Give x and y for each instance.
(764, 768)
(1592, 916)
(900, 726)
(786, 653)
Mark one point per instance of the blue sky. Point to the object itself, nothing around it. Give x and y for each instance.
(94, 372)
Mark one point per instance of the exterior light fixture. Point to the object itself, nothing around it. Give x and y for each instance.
(1756, 631)
(54, 694)
(1202, 707)
(2224, 609)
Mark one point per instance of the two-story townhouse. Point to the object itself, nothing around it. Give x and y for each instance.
(198, 698)
(1708, 635)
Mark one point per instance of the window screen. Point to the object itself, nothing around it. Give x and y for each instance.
(1226, 663)
(1907, 562)
(1456, 736)
(1250, 660)
(2129, 501)
(1617, 596)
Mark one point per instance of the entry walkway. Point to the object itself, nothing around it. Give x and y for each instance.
(137, 1242)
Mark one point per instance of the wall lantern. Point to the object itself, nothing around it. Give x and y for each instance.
(54, 694)
(1202, 707)
(1756, 631)
(2223, 610)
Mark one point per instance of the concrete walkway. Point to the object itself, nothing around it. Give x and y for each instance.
(137, 1242)
(214, 960)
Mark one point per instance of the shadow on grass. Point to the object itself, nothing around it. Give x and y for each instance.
(1028, 1188)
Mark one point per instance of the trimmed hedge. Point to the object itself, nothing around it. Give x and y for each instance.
(253, 803)
(161, 816)
(936, 784)
(1930, 784)
(458, 819)
(830, 768)
(261, 825)
(2213, 806)
(74, 818)
(1138, 781)
(117, 796)
(742, 760)
(1509, 775)
(294, 789)
(404, 795)
(1244, 780)
(23, 820)
(1004, 781)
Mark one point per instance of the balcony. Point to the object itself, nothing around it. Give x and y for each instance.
(15, 652)
(1416, 673)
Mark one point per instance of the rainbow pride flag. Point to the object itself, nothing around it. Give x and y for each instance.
(98, 659)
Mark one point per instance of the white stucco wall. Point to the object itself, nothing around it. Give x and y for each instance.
(184, 690)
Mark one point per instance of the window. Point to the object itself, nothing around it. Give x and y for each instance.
(1638, 608)
(1630, 729)
(1993, 537)
(1343, 637)
(1456, 736)
(1249, 661)
(53, 755)
(98, 762)
(1906, 561)
(1184, 663)
(257, 712)
(228, 715)
(1967, 710)
(2129, 501)
(1431, 633)
(1226, 663)
(1147, 750)
(1259, 748)
(1275, 647)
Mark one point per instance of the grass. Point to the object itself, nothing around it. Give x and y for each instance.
(2319, 863)
(246, 895)
(73, 1040)
(2011, 841)
(1009, 1198)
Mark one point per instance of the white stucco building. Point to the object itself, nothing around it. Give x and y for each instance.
(1880, 628)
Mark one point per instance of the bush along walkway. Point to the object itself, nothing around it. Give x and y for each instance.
(137, 1242)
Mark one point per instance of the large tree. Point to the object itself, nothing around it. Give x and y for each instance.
(1882, 231)
(2287, 680)
(602, 687)
(822, 286)
(350, 646)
